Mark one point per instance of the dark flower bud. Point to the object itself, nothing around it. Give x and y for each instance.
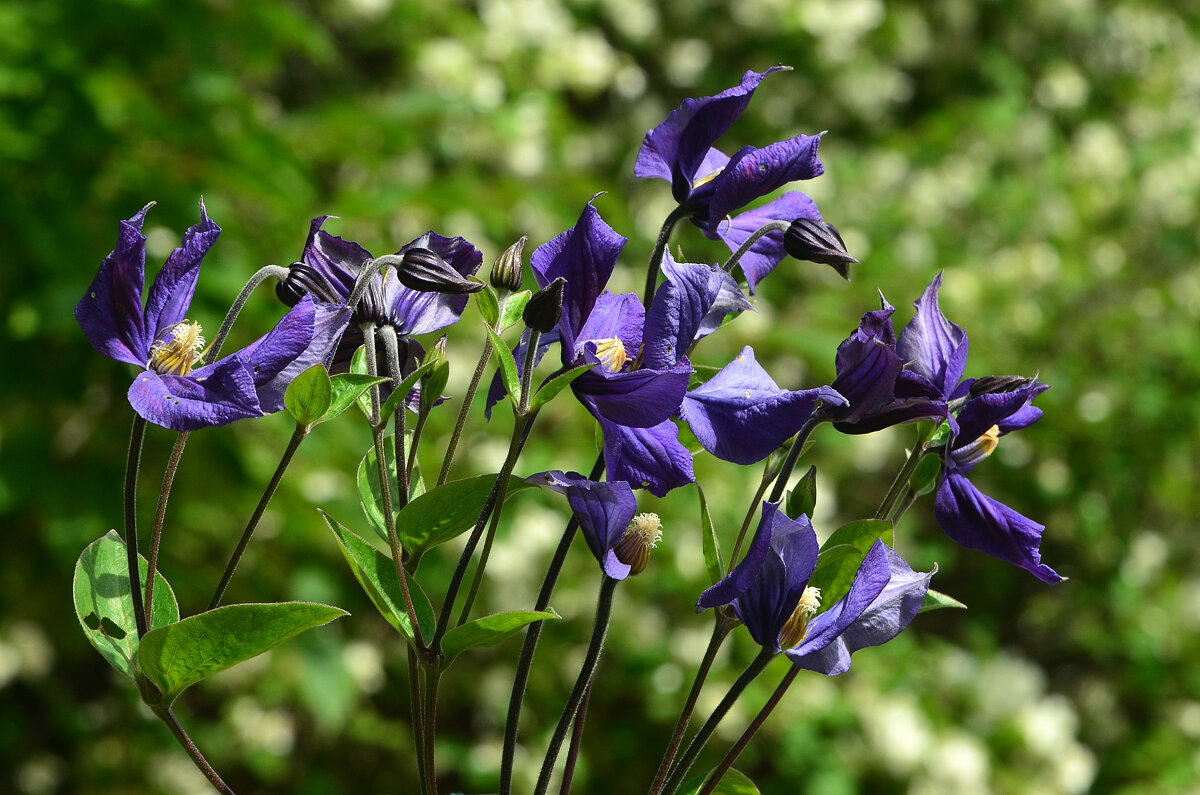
(301, 280)
(640, 537)
(506, 270)
(994, 384)
(545, 307)
(817, 241)
(421, 269)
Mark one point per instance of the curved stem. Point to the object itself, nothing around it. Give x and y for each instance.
(755, 236)
(270, 271)
(136, 436)
(168, 717)
(159, 515)
(599, 630)
(660, 248)
(293, 445)
(721, 769)
(697, 744)
(721, 630)
(532, 634)
(468, 399)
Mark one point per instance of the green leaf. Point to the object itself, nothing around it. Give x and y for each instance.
(925, 478)
(508, 367)
(103, 604)
(347, 387)
(555, 385)
(358, 366)
(861, 535)
(732, 783)
(935, 600)
(836, 567)
(309, 395)
(513, 307)
(802, 499)
(376, 573)
(701, 373)
(708, 537)
(488, 304)
(179, 655)
(489, 630)
(447, 511)
(401, 391)
(433, 384)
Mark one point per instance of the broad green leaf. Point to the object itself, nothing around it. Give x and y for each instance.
(488, 631)
(513, 307)
(709, 541)
(508, 367)
(103, 604)
(358, 366)
(347, 387)
(802, 499)
(861, 535)
(376, 573)
(836, 567)
(401, 391)
(555, 385)
(732, 783)
(447, 511)
(701, 374)
(179, 655)
(925, 478)
(309, 395)
(935, 600)
(488, 304)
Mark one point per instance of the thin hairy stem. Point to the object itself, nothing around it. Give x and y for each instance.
(270, 271)
(168, 717)
(417, 714)
(159, 516)
(722, 768)
(568, 775)
(660, 249)
(751, 512)
(468, 399)
(432, 678)
(391, 347)
(755, 236)
(900, 483)
(136, 436)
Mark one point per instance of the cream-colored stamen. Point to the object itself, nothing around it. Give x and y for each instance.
(642, 535)
(611, 353)
(706, 178)
(981, 448)
(796, 627)
(180, 354)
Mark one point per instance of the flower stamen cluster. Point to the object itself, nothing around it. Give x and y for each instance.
(642, 535)
(179, 354)
(971, 454)
(796, 627)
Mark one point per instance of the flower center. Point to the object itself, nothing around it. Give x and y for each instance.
(611, 353)
(179, 354)
(642, 535)
(707, 178)
(796, 627)
(971, 454)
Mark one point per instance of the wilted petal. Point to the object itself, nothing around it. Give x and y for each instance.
(740, 415)
(110, 312)
(649, 458)
(169, 298)
(769, 250)
(214, 395)
(936, 348)
(603, 510)
(976, 521)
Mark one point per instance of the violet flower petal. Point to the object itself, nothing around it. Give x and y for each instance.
(110, 312)
(936, 348)
(171, 294)
(649, 458)
(603, 510)
(768, 251)
(214, 395)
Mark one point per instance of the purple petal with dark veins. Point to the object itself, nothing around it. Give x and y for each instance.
(338, 260)
(648, 458)
(637, 399)
(1010, 410)
(169, 298)
(416, 312)
(742, 576)
(110, 312)
(603, 510)
(700, 278)
(768, 251)
(976, 521)
(753, 173)
(214, 395)
(679, 307)
(614, 316)
(936, 348)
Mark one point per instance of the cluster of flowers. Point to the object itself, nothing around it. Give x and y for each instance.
(637, 378)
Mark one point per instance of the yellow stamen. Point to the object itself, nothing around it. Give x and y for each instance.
(708, 178)
(796, 627)
(178, 355)
(981, 448)
(642, 535)
(611, 353)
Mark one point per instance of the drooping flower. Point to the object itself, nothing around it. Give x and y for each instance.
(936, 349)
(175, 390)
(712, 185)
(769, 591)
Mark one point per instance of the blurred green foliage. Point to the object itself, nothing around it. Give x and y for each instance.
(1044, 154)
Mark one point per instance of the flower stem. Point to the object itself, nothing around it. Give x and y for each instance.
(293, 444)
(532, 633)
(697, 744)
(136, 436)
(660, 249)
(789, 463)
(750, 513)
(599, 630)
(468, 399)
(159, 515)
(168, 717)
(721, 769)
(432, 678)
(417, 715)
(901, 482)
(755, 236)
(721, 630)
(391, 349)
(568, 775)
(279, 274)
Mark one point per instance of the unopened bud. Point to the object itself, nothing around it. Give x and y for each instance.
(642, 536)
(305, 280)
(436, 354)
(423, 270)
(817, 241)
(545, 307)
(506, 270)
(993, 384)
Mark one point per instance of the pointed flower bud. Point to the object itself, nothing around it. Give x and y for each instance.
(817, 241)
(423, 270)
(642, 535)
(545, 307)
(994, 384)
(506, 270)
(305, 280)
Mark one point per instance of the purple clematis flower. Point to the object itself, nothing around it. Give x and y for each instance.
(712, 185)
(172, 391)
(605, 512)
(990, 408)
(769, 592)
